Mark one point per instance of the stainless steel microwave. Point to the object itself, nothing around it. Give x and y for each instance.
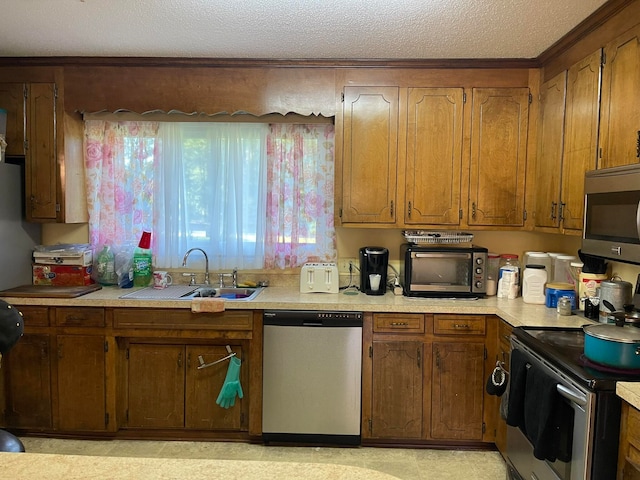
(612, 214)
(443, 271)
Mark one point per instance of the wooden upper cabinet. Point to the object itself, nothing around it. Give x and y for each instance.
(12, 100)
(620, 116)
(41, 166)
(580, 138)
(550, 144)
(370, 155)
(434, 156)
(499, 123)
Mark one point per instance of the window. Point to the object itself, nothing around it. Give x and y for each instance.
(251, 195)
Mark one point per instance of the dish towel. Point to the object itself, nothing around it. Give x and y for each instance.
(517, 386)
(542, 415)
(231, 386)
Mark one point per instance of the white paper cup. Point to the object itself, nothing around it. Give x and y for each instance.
(374, 281)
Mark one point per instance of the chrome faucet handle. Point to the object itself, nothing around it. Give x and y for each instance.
(221, 280)
(192, 281)
(234, 278)
(206, 278)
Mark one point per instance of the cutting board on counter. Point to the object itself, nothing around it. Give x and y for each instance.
(49, 291)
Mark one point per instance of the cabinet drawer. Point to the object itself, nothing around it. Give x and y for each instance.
(35, 316)
(459, 325)
(398, 323)
(80, 317)
(177, 319)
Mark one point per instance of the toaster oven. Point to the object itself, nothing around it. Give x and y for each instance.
(443, 271)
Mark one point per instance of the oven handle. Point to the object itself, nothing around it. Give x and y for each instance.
(571, 395)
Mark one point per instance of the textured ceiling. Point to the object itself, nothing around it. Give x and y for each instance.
(288, 29)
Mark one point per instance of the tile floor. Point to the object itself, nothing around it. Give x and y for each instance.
(406, 464)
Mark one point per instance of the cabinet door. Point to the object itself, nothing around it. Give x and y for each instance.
(370, 155)
(581, 137)
(27, 370)
(12, 100)
(397, 389)
(81, 404)
(41, 166)
(203, 387)
(434, 156)
(499, 123)
(457, 391)
(620, 122)
(550, 144)
(156, 386)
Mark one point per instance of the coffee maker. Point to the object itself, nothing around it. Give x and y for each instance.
(373, 270)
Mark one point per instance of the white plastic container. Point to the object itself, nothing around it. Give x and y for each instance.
(533, 282)
(562, 269)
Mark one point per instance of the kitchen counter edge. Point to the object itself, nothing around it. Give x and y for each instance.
(515, 312)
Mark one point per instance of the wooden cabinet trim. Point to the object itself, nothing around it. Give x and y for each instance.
(177, 319)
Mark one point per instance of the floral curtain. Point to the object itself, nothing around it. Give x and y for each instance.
(300, 176)
(119, 180)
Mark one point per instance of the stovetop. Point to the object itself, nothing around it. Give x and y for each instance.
(564, 348)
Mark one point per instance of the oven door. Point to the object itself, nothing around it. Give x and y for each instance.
(444, 272)
(581, 402)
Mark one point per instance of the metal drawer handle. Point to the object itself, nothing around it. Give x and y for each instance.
(461, 325)
(399, 324)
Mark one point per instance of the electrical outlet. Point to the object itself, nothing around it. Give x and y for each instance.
(343, 265)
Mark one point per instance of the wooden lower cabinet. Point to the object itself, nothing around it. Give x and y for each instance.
(427, 376)
(81, 382)
(457, 391)
(27, 373)
(629, 449)
(166, 390)
(397, 389)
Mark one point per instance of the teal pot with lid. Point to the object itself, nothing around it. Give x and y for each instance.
(612, 345)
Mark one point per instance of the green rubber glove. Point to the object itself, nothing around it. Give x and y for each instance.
(231, 386)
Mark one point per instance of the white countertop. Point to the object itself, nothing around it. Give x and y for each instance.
(515, 312)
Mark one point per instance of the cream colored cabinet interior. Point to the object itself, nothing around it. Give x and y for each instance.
(423, 378)
(567, 144)
(418, 134)
(620, 116)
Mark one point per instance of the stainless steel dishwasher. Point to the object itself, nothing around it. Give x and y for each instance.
(311, 378)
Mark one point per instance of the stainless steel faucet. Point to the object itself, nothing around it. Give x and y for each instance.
(206, 265)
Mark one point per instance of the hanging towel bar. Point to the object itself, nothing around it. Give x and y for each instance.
(205, 365)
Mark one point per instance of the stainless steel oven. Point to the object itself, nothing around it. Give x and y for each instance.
(586, 409)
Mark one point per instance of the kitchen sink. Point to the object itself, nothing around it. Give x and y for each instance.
(228, 293)
(187, 292)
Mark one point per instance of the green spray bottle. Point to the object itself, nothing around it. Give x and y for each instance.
(142, 258)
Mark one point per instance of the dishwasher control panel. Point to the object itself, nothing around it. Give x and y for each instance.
(311, 318)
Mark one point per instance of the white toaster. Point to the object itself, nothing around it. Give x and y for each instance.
(319, 277)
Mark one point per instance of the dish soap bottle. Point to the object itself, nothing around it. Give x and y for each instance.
(142, 261)
(106, 267)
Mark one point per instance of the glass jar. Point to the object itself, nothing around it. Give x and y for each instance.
(493, 268)
(564, 306)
